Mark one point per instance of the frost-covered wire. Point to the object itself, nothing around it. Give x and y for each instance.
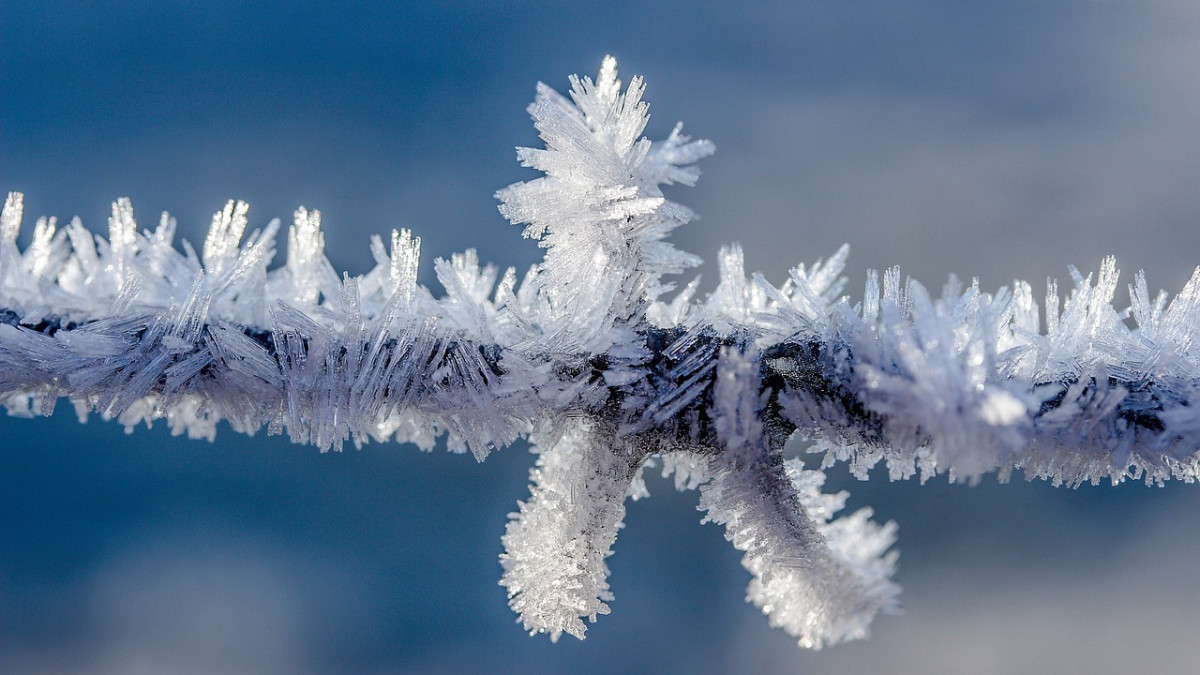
(602, 365)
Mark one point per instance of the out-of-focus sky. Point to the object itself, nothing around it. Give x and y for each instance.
(996, 140)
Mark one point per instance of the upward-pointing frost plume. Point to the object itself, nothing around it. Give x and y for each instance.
(599, 211)
(589, 360)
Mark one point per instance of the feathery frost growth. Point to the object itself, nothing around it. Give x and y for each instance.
(598, 362)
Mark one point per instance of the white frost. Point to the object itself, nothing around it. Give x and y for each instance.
(590, 358)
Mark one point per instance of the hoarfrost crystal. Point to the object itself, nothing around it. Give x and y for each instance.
(593, 360)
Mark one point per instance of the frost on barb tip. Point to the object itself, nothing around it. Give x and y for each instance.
(602, 218)
(599, 211)
(556, 544)
(821, 579)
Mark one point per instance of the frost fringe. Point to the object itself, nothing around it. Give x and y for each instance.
(586, 360)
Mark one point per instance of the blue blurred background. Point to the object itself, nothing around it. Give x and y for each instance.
(996, 140)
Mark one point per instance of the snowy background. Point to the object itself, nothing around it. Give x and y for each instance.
(998, 142)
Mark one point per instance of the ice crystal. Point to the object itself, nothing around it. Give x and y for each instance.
(593, 360)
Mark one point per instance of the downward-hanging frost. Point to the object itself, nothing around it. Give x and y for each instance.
(821, 581)
(592, 360)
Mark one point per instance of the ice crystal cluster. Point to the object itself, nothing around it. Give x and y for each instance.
(607, 369)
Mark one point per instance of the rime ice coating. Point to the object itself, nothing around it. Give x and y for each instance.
(586, 359)
(599, 212)
(821, 580)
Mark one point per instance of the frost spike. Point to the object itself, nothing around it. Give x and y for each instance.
(809, 576)
(224, 235)
(305, 257)
(122, 238)
(10, 218)
(406, 252)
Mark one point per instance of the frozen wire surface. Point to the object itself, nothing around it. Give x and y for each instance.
(591, 358)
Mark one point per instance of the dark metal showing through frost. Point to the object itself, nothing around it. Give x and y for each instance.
(793, 366)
